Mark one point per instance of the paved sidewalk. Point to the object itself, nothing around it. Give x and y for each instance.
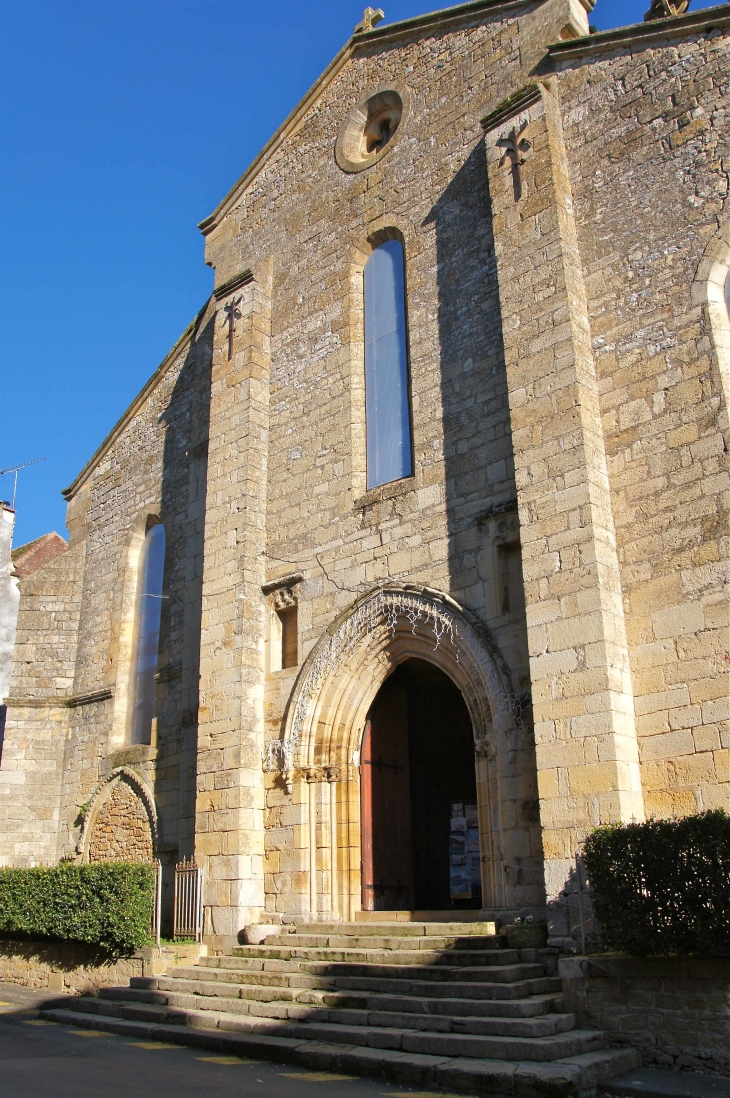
(40, 1059)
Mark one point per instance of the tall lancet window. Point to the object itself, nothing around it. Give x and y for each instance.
(147, 633)
(387, 404)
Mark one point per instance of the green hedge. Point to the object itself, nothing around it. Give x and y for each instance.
(663, 886)
(107, 904)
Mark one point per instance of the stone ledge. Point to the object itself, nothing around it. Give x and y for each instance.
(284, 581)
(512, 105)
(648, 968)
(126, 756)
(231, 284)
(386, 491)
(89, 699)
(59, 701)
(644, 34)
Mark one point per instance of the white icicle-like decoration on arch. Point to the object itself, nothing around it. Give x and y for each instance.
(386, 607)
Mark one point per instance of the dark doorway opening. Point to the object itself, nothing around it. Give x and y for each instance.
(418, 786)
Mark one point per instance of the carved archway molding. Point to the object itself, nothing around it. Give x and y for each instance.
(99, 796)
(336, 687)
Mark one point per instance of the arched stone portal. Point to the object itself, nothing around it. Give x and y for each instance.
(326, 720)
(418, 797)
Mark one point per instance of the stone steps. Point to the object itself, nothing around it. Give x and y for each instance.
(487, 943)
(260, 985)
(544, 1025)
(503, 974)
(552, 1047)
(146, 988)
(399, 930)
(568, 1078)
(393, 1006)
(383, 955)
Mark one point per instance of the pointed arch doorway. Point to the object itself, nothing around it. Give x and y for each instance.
(418, 795)
(323, 736)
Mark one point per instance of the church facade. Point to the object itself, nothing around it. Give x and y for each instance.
(408, 566)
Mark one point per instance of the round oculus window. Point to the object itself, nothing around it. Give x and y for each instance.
(371, 130)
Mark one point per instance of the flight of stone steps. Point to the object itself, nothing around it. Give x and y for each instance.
(435, 1005)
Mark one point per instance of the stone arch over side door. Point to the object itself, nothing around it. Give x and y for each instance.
(326, 721)
(120, 823)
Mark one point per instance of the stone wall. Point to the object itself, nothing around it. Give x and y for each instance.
(69, 967)
(9, 600)
(32, 771)
(121, 830)
(566, 396)
(646, 126)
(675, 1011)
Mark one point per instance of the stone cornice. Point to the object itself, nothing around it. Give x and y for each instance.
(285, 581)
(60, 701)
(441, 18)
(57, 701)
(379, 35)
(184, 341)
(643, 35)
(89, 699)
(235, 283)
(512, 105)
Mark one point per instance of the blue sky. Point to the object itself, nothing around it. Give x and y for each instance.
(122, 126)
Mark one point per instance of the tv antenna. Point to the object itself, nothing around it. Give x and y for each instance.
(16, 469)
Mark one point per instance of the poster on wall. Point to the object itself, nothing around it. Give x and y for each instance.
(473, 859)
(459, 870)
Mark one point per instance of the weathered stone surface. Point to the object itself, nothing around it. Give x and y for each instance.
(121, 829)
(569, 351)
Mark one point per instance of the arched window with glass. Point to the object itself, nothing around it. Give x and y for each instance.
(148, 609)
(387, 398)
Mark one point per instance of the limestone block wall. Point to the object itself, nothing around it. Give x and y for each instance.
(587, 756)
(319, 224)
(76, 619)
(649, 143)
(9, 599)
(151, 467)
(32, 767)
(672, 1009)
(121, 829)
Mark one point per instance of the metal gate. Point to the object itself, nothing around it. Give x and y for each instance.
(188, 921)
(156, 911)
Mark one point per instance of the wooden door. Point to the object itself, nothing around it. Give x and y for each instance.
(385, 804)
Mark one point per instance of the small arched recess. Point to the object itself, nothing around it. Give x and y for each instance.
(327, 715)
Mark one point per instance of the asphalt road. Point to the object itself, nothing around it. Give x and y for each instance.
(41, 1059)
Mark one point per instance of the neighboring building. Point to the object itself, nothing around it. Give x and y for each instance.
(408, 566)
(14, 564)
(9, 601)
(27, 559)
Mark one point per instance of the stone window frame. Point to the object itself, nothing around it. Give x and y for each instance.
(355, 124)
(281, 595)
(121, 648)
(710, 291)
(386, 227)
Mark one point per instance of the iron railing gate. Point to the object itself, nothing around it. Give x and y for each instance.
(188, 919)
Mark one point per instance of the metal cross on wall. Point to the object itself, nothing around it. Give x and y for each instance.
(233, 313)
(514, 146)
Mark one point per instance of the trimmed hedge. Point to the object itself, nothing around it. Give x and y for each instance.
(663, 886)
(107, 904)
